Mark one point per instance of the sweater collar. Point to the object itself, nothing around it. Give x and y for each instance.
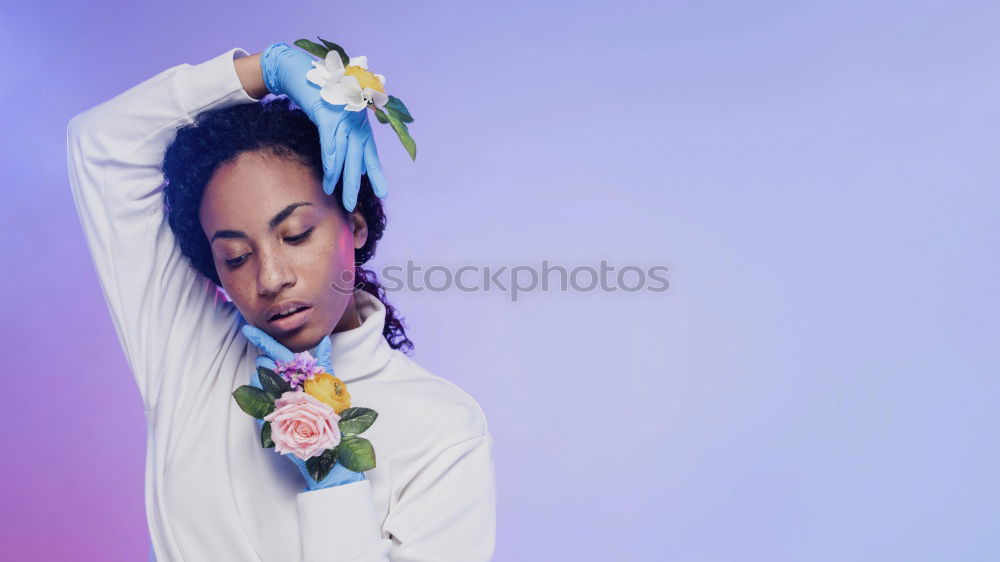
(360, 351)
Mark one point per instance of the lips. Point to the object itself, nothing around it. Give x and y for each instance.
(285, 325)
(290, 312)
(282, 309)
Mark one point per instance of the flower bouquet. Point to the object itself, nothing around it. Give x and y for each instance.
(306, 412)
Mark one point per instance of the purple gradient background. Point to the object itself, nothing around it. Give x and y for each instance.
(818, 384)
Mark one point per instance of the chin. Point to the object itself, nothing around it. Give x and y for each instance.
(304, 338)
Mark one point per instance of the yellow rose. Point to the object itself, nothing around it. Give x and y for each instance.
(365, 78)
(329, 390)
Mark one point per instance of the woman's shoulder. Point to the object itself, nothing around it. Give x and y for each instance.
(429, 401)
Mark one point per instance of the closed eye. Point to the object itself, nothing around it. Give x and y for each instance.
(237, 261)
(292, 240)
(300, 237)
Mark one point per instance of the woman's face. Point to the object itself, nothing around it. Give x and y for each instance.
(279, 242)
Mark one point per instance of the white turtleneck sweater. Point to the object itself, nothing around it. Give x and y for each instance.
(212, 492)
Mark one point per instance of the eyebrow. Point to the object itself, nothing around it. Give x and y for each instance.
(275, 221)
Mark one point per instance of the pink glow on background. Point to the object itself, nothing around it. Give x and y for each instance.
(818, 384)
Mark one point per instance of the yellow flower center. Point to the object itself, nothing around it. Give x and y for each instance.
(365, 78)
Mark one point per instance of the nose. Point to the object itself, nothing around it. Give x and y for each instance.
(275, 274)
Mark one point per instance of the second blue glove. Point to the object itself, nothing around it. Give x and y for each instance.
(346, 137)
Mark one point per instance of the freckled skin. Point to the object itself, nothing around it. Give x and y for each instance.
(244, 195)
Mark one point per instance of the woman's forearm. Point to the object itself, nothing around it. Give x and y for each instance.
(115, 164)
(251, 76)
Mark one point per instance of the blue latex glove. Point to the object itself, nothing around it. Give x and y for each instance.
(272, 350)
(346, 137)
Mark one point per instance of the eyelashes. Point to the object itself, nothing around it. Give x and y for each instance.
(297, 239)
(300, 237)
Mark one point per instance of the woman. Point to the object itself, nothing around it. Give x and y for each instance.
(245, 206)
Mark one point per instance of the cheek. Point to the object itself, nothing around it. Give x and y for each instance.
(333, 265)
(341, 263)
(240, 287)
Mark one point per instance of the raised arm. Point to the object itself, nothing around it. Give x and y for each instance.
(170, 324)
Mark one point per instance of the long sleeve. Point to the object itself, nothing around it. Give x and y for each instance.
(445, 511)
(166, 316)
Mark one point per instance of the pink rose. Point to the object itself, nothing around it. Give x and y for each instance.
(302, 425)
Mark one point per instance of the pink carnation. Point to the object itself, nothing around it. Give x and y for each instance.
(302, 425)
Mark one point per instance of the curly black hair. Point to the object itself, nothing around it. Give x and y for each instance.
(275, 125)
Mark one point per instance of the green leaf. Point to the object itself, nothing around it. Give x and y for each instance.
(355, 420)
(404, 134)
(272, 382)
(312, 48)
(399, 107)
(381, 116)
(335, 47)
(265, 436)
(356, 453)
(320, 465)
(254, 401)
(394, 112)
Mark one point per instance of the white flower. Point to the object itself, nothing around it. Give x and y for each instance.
(354, 85)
